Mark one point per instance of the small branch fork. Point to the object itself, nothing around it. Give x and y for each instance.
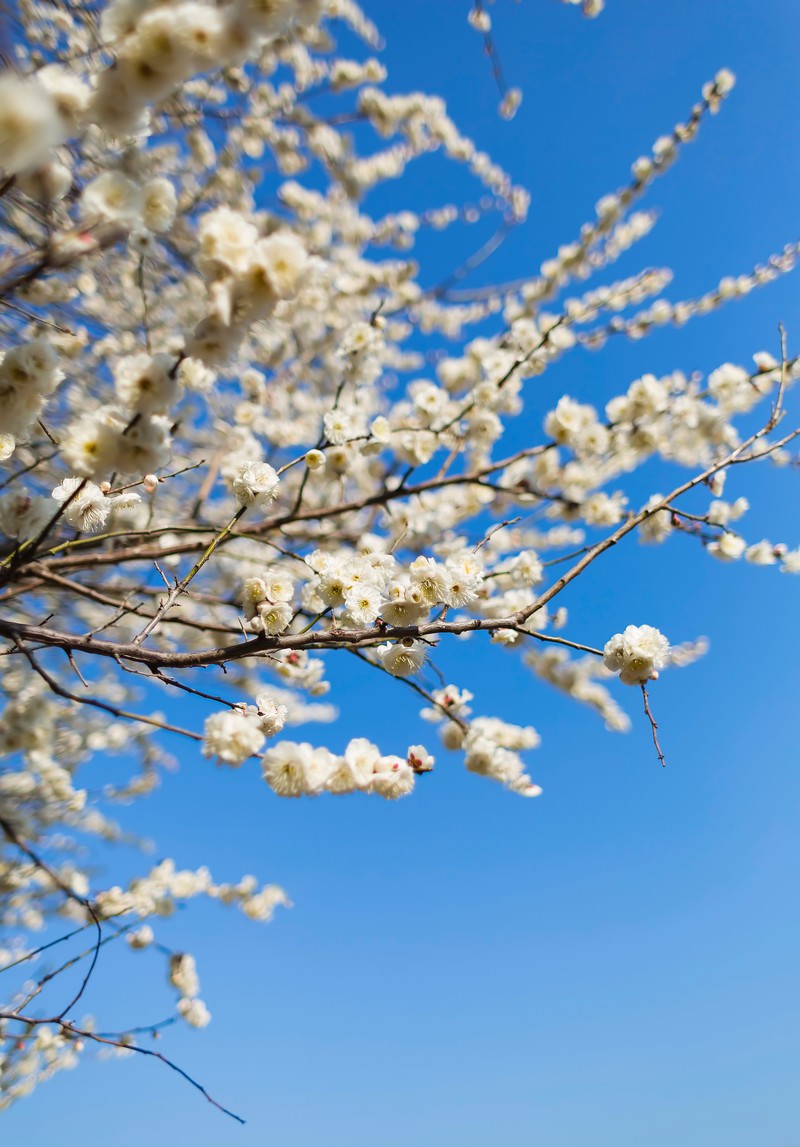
(11, 834)
(82, 1033)
(59, 1019)
(180, 587)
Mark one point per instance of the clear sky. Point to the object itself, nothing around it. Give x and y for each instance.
(615, 963)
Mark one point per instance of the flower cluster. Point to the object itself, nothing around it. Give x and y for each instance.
(160, 46)
(231, 736)
(293, 770)
(637, 654)
(248, 275)
(256, 485)
(491, 747)
(29, 374)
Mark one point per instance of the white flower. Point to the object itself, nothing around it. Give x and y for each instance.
(361, 339)
(761, 554)
(733, 388)
(261, 905)
(48, 183)
(420, 760)
(490, 751)
(791, 562)
(282, 259)
(659, 525)
(432, 578)
(89, 508)
(194, 1012)
(319, 769)
(159, 204)
(226, 241)
(290, 769)
(183, 974)
(69, 93)
(338, 426)
(725, 80)
(363, 603)
(315, 459)
(463, 579)
(157, 56)
(270, 17)
(728, 547)
(569, 420)
(213, 341)
(355, 770)
(254, 592)
(29, 123)
(256, 484)
(510, 103)
(141, 937)
(22, 515)
(271, 714)
(601, 509)
(232, 736)
(113, 196)
(278, 586)
(272, 617)
(31, 365)
(147, 383)
(637, 654)
(394, 778)
(402, 658)
(406, 605)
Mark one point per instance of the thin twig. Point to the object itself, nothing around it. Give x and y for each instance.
(653, 725)
(82, 1033)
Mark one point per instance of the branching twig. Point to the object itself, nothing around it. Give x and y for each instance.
(12, 835)
(82, 1033)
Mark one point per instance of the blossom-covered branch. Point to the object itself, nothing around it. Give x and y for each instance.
(245, 430)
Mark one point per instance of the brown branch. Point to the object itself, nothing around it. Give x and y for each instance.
(321, 513)
(180, 587)
(44, 573)
(60, 691)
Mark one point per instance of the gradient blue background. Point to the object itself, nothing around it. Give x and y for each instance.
(614, 964)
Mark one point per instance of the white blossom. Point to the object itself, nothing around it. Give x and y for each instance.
(86, 507)
(183, 974)
(159, 204)
(113, 196)
(637, 654)
(232, 736)
(402, 658)
(195, 1012)
(29, 122)
(256, 485)
(727, 547)
(140, 937)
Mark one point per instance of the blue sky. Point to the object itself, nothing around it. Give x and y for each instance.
(614, 964)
